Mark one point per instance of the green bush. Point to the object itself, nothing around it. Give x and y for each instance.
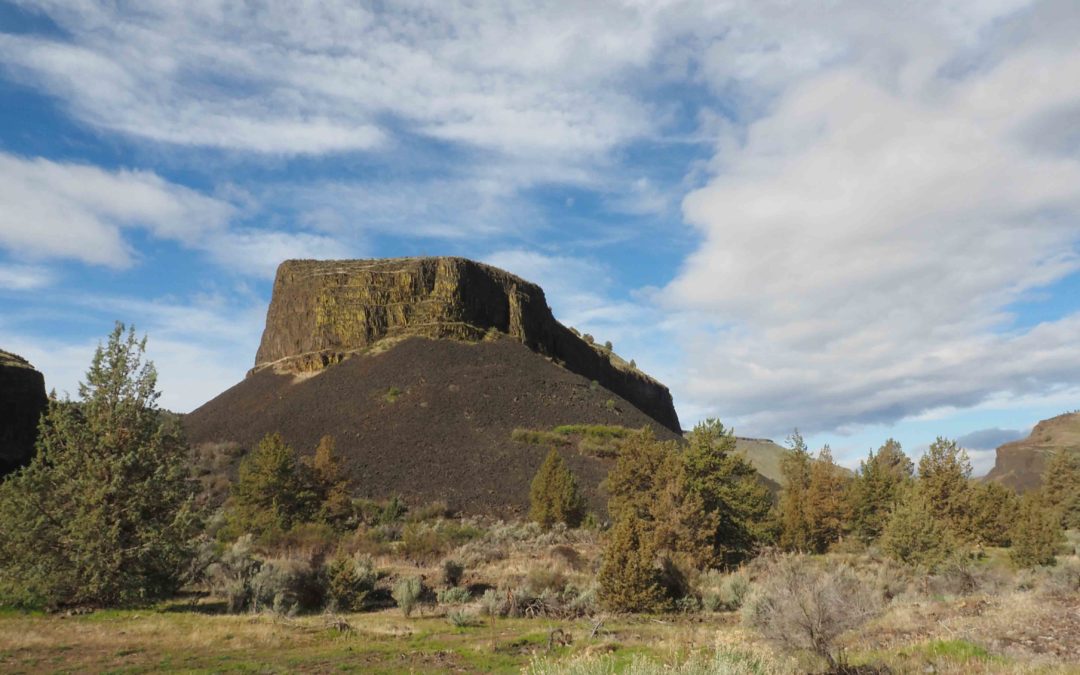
(232, 574)
(628, 578)
(454, 596)
(349, 581)
(554, 496)
(287, 586)
(407, 594)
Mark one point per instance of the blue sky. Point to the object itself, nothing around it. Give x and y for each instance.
(858, 218)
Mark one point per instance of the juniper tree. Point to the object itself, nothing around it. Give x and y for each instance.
(730, 489)
(330, 485)
(273, 491)
(944, 473)
(826, 502)
(913, 534)
(629, 578)
(1060, 491)
(993, 511)
(877, 489)
(793, 517)
(554, 496)
(104, 514)
(1036, 534)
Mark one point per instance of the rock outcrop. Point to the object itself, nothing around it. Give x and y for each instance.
(22, 400)
(323, 312)
(1020, 464)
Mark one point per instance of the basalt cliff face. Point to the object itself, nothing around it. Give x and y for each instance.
(323, 312)
(1020, 464)
(22, 400)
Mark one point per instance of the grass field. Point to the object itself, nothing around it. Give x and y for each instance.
(183, 637)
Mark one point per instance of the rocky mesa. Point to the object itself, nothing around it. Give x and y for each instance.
(22, 400)
(1020, 464)
(322, 312)
(427, 372)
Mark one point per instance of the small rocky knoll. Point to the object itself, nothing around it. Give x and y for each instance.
(22, 400)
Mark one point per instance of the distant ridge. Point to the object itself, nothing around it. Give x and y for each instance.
(1020, 464)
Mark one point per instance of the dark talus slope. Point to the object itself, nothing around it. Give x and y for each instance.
(1020, 464)
(22, 400)
(428, 419)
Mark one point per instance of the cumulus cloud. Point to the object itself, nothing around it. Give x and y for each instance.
(80, 212)
(864, 237)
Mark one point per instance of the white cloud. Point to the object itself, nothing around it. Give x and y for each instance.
(200, 345)
(864, 238)
(24, 277)
(79, 212)
(531, 81)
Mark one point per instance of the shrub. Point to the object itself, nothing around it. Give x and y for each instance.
(287, 586)
(452, 571)
(232, 574)
(1063, 581)
(542, 580)
(628, 578)
(349, 580)
(492, 603)
(407, 593)
(454, 596)
(800, 606)
(461, 619)
(554, 496)
(393, 511)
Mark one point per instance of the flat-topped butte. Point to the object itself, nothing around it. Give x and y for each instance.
(323, 311)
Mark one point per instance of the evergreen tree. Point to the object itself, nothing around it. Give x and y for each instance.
(274, 490)
(554, 496)
(794, 523)
(877, 488)
(638, 475)
(944, 473)
(913, 534)
(629, 578)
(104, 513)
(1060, 491)
(826, 502)
(683, 531)
(1035, 535)
(994, 509)
(330, 485)
(730, 490)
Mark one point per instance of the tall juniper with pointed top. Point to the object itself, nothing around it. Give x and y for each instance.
(104, 514)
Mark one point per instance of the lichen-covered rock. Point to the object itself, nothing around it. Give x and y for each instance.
(324, 311)
(22, 400)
